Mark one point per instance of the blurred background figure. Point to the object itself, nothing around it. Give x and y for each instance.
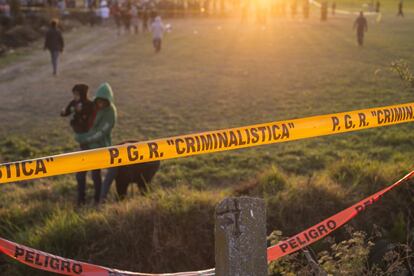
(157, 29)
(324, 11)
(135, 19)
(378, 6)
(400, 9)
(361, 26)
(305, 8)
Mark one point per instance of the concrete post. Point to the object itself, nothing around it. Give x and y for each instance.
(240, 237)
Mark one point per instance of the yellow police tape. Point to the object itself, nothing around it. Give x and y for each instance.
(206, 142)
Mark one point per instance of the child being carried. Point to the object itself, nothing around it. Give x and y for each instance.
(82, 109)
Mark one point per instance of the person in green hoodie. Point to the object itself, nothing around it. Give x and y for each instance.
(99, 135)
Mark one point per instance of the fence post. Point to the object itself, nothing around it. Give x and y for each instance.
(240, 237)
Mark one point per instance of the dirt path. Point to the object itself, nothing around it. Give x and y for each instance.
(28, 84)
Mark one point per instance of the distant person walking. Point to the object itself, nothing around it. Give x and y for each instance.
(361, 26)
(116, 13)
(145, 17)
(324, 11)
(126, 17)
(100, 134)
(135, 19)
(54, 43)
(378, 6)
(157, 29)
(400, 9)
(333, 8)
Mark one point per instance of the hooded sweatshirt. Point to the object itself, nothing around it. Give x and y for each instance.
(100, 134)
(157, 28)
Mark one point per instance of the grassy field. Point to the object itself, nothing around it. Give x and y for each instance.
(211, 74)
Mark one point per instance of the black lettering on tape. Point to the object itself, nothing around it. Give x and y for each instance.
(348, 121)
(113, 153)
(54, 263)
(207, 142)
(26, 172)
(77, 268)
(177, 146)
(263, 130)
(29, 256)
(322, 229)
(18, 252)
(380, 120)
(276, 136)
(8, 170)
(409, 111)
(198, 143)
(255, 136)
(387, 118)
(292, 243)
(300, 241)
(331, 224)
(285, 131)
(132, 152)
(313, 234)
(335, 123)
(153, 150)
(241, 142)
(37, 260)
(17, 165)
(247, 135)
(399, 113)
(362, 120)
(40, 167)
(284, 246)
(65, 265)
(233, 139)
(223, 140)
(189, 141)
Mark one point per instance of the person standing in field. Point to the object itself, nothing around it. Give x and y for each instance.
(361, 26)
(333, 7)
(400, 9)
(157, 29)
(83, 111)
(54, 43)
(100, 134)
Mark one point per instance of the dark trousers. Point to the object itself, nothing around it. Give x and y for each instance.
(97, 183)
(54, 56)
(109, 178)
(157, 44)
(360, 38)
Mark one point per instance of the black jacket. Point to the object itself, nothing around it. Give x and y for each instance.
(54, 40)
(83, 114)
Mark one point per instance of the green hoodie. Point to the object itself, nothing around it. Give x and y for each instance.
(100, 133)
